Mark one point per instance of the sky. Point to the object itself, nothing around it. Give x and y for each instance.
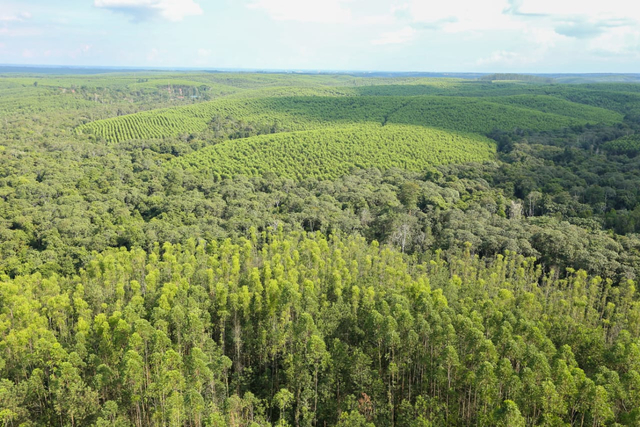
(535, 36)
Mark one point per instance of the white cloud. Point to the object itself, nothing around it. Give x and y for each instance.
(18, 17)
(536, 44)
(328, 11)
(79, 51)
(400, 8)
(507, 58)
(584, 19)
(588, 19)
(611, 26)
(204, 57)
(455, 16)
(159, 56)
(543, 38)
(622, 41)
(404, 35)
(153, 54)
(139, 10)
(21, 32)
(596, 9)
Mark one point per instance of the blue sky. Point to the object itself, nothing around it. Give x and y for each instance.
(403, 35)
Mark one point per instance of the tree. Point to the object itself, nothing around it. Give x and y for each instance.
(73, 399)
(508, 415)
(283, 399)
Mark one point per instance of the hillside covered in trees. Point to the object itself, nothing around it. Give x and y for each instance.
(218, 249)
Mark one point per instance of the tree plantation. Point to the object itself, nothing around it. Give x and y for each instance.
(320, 110)
(328, 154)
(303, 329)
(235, 249)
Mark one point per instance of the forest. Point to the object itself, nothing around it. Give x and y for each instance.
(239, 249)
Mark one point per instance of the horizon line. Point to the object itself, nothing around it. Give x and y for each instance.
(297, 70)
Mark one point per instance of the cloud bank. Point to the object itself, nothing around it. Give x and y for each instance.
(523, 32)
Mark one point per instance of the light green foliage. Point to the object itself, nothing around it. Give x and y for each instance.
(331, 153)
(297, 91)
(89, 98)
(144, 126)
(272, 328)
(39, 100)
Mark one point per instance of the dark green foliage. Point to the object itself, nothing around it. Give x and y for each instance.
(556, 105)
(517, 77)
(292, 113)
(322, 108)
(476, 115)
(629, 145)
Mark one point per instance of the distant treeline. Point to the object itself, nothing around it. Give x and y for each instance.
(519, 77)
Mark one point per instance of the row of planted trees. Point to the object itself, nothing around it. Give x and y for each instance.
(320, 109)
(330, 154)
(300, 329)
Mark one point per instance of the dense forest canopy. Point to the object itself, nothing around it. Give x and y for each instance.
(219, 249)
